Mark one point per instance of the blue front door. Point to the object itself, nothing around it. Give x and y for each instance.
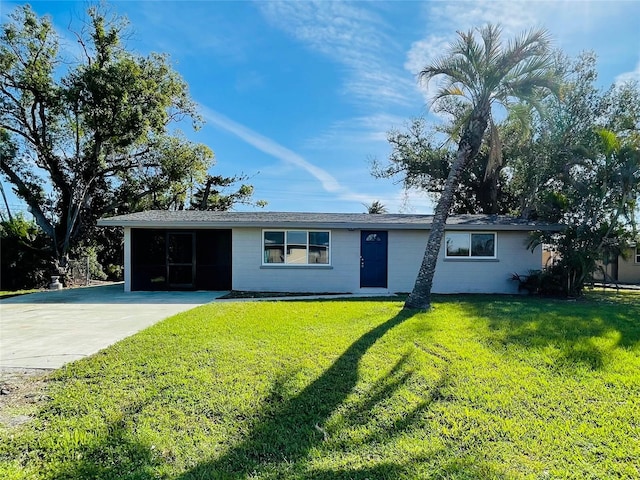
(373, 259)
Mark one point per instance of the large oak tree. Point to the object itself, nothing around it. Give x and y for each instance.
(94, 134)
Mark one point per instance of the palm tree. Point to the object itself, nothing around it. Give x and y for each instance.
(376, 207)
(481, 74)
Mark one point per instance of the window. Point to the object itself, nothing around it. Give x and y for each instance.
(637, 253)
(470, 245)
(295, 247)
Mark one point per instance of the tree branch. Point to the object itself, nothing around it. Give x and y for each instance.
(113, 205)
(31, 200)
(17, 132)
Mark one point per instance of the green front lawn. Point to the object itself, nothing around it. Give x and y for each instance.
(481, 387)
(15, 293)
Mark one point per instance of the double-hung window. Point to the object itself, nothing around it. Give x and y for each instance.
(296, 247)
(470, 245)
(637, 253)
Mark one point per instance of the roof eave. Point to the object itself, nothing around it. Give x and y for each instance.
(328, 225)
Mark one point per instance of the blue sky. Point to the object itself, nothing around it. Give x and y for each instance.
(300, 95)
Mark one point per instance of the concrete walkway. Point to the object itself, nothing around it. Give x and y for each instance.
(45, 330)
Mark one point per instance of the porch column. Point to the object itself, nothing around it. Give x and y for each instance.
(127, 259)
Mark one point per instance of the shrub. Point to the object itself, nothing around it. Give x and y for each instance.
(24, 255)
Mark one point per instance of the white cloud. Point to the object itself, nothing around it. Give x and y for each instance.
(574, 26)
(353, 36)
(422, 53)
(629, 76)
(425, 50)
(328, 182)
(197, 31)
(447, 18)
(357, 130)
(513, 16)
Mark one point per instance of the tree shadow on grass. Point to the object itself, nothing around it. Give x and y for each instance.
(582, 333)
(330, 420)
(280, 442)
(285, 430)
(288, 429)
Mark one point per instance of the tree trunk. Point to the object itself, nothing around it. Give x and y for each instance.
(205, 194)
(420, 297)
(6, 203)
(492, 187)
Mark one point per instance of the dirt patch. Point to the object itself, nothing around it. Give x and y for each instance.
(22, 390)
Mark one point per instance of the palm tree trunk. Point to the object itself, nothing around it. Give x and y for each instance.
(420, 297)
(494, 208)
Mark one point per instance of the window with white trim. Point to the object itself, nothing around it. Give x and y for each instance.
(637, 253)
(296, 247)
(470, 245)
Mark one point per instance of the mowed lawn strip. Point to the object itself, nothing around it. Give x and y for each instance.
(480, 387)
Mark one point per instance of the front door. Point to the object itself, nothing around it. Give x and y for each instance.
(373, 259)
(180, 259)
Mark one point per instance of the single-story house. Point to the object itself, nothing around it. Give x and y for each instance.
(320, 252)
(624, 269)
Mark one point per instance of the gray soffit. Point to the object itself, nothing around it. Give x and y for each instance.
(354, 221)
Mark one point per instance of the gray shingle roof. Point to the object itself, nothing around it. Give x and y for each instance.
(199, 219)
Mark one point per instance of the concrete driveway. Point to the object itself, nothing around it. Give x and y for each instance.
(49, 329)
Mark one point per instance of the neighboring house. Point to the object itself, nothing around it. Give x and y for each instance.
(629, 267)
(320, 252)
(622, 269)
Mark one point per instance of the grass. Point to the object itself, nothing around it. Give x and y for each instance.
(236, 294)
(480, 387)
(14, 293)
